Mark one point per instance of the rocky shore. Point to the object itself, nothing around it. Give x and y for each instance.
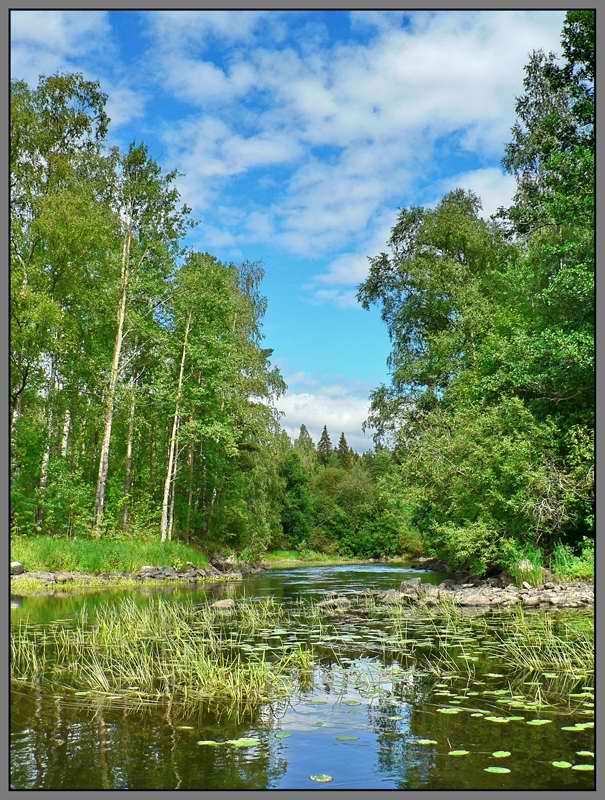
(217, 570)
(491, 592)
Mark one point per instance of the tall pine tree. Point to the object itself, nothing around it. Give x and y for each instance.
(343, 452)
(324, 447)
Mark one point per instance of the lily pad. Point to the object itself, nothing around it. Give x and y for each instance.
(184, 727)
(458, 753)
(351, 702)
(539, 721)
(449, 710)
(426, 741)
(243, 742)
(585, 753)
(584, 767)
(572, 728)
(283, 734)
(561, 764)
(502, 720)
(210, 743)
(347, 738)
(501, 754)
(497, 770)
(321, 778)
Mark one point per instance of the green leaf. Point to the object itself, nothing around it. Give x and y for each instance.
(501, 754)
(497, 770)
(561, 764)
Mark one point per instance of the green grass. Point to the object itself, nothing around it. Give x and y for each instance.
(293, 558)
(565, 564)
(53, 554)
(162, 651)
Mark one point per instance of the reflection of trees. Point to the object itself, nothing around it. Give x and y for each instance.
(91, 746)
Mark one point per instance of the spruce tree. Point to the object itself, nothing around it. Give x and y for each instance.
(324, 447)
(343, 451)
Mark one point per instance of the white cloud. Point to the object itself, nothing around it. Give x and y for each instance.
(494, 187)
(334, 406)
(44, 42)
(47, 42)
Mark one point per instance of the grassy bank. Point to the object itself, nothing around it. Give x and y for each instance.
(306, 558)
(94, 557)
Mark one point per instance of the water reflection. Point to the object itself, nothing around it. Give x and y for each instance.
(383, 703)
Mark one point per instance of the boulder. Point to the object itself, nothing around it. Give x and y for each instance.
(17, 568)
(225, 604)
(335, 603)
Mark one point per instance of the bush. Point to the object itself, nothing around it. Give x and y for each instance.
(475, 546)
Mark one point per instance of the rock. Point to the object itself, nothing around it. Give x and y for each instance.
(393, 597)
(335, 603)
(410, 583)
(65, 577)
(526, 585)
(227, 603)
(531, 600)
(473, 599)
(549, 585)
(17, 568)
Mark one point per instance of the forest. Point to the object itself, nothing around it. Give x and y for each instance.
(144, 403)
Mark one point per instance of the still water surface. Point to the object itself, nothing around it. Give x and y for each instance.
(385, 709)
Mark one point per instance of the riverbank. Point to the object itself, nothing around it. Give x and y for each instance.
(285, 559)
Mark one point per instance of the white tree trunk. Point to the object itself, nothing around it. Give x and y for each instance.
(128, 466)
(172, 448)
(111, 389)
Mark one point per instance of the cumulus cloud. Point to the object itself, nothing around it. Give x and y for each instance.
(47, 42)
(355, 123)
(335, 406)
(494, 187)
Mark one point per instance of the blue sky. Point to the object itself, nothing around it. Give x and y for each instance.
(300, 135)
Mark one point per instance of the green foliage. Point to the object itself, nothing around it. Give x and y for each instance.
(491, 407)
(566, 563)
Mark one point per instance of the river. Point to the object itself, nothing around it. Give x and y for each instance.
(368, 719)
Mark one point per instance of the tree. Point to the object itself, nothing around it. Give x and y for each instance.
(343, 452)
(324, 447)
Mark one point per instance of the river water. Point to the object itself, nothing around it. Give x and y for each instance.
(369, 719)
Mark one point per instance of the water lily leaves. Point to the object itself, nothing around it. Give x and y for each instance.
(501, 720)
(497, 770)
(244, 742)
(184, 727)
(347, 738)
(426, 741)
(584, 767)
(493, 675)
(210, 743)
(449, 710)
(477, 714)
(317, 702)
(501, 754)
(458, 752)
(561, 764)
(283, 734)
(577, 728)
(321, 778)
(351, 702)
(515, 719)
(539, 721)
(585, 753)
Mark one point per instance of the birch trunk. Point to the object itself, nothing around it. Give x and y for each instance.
(111, 390)
(49, 435)
(172, 448)
(65, 435)
(189, 493)
(128, 467)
